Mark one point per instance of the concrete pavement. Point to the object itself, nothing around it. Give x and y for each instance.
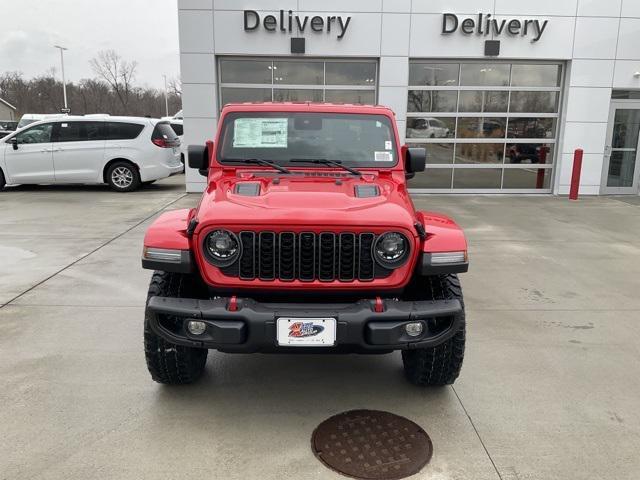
(549, 389)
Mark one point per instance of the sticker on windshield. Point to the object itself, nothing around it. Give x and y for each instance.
(388, 145)
(261, 133)
(383, 157)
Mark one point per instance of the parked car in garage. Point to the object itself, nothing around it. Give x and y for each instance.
(123, 152)
(428, 128)
(534, 153)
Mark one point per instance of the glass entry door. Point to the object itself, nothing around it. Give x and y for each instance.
(621, 165)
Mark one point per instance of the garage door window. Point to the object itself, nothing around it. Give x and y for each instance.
(486, 126)
(264, 80)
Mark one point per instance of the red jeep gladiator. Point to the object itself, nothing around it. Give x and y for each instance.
(305, 241)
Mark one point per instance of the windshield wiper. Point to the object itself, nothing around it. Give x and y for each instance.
(331, 163)
(258, 161)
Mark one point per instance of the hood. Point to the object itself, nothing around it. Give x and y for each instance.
(307, 198)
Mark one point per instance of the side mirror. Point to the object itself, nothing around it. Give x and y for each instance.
(199, 159)
(416, 160)
(14, 142)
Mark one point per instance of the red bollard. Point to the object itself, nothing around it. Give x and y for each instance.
(575, 176)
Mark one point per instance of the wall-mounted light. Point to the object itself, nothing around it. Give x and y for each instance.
(637, 74)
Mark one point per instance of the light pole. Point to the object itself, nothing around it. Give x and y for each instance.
(166, 97)
(64, 83)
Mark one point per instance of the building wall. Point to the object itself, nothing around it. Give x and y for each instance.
(6, 113)
(598, 39)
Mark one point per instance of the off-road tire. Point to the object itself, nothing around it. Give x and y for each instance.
(439, 365)
(168, 363)
(2, 180)
(133, 177)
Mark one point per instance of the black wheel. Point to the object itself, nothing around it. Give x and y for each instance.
(168, 363)
(439, 365)
(123, 177)
(2, 180)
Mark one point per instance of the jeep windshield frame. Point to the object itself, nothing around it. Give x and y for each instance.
(356, 140)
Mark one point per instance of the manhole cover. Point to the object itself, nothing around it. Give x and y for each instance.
(372, 445)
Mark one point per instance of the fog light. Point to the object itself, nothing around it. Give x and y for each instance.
(413, 329)
(196, 328)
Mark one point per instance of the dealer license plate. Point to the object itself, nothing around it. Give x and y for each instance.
(306, 332)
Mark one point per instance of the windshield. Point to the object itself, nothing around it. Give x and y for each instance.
(355, 140)
(25, 121)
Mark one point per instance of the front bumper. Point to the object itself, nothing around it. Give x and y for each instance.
(252, 327)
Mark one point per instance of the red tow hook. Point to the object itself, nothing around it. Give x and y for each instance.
(378, 307)
(233, 304)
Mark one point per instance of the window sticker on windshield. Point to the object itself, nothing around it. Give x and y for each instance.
(388, 145)
(383, 157)
(378, 124)
(261, 133)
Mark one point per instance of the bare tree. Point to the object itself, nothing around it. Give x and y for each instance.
(48, 90)
(43, 94)
(118, 73)
(175, 87)
(95, 96)
(13, 88)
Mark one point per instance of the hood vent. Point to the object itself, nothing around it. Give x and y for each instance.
(367, 191)
(248, 189)
(326, 174)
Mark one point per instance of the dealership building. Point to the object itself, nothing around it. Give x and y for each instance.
(500, 92)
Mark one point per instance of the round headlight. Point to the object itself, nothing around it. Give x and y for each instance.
(222, 248)
(391, 250)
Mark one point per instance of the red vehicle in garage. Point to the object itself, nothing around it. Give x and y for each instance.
(305, 240)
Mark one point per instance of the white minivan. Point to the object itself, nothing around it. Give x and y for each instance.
(123, 152)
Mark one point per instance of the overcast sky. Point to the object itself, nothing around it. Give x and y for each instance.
(142, 30)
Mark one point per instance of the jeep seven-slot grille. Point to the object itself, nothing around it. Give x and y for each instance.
(307, 256)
